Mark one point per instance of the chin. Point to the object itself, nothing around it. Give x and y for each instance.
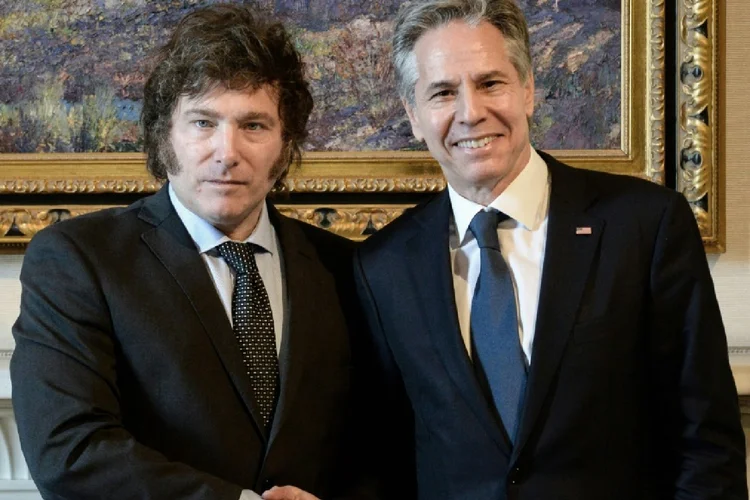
(485, 173)
(222, 216)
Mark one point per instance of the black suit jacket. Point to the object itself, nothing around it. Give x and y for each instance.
(127, 379)
(629, 395)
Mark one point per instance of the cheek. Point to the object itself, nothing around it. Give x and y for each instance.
(439, 124)
(193, 155)
(192, 143)
(263, 156)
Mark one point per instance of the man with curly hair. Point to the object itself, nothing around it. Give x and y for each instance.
(196, 344)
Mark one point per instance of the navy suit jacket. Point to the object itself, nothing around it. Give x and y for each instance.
(128, 381)
(630, 394)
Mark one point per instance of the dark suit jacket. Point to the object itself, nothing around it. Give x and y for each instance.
(127, 378)
(629, 395)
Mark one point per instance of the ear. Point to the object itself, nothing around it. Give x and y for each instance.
(415, 128)
(529, 95)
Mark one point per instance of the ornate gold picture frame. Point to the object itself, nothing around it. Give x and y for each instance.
(700, 169)
(359, 192)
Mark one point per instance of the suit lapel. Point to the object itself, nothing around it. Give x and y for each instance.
(299, 272)
(173, 246)
(430, 269)
(569, 252)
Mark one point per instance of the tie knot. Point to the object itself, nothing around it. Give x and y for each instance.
(239, 256)
(484, 227)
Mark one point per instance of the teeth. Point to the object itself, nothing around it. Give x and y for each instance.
(475, 144)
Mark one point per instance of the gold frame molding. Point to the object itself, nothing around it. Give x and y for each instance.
(700, 175)
(352, 221)
(327, 175)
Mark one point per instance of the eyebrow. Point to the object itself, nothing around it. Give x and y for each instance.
(481, 77)
(439, 85)
(208, 113)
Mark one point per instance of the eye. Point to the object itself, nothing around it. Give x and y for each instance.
(254, 126)
(492, 84)
(202, 123)
(442, 94)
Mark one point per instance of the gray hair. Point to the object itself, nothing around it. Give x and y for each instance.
(420, 16)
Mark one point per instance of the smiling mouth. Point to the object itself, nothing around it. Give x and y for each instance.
(476, 143)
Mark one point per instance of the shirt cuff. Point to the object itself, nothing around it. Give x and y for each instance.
(249, 495)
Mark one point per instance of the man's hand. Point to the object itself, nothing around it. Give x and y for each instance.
(287, 493)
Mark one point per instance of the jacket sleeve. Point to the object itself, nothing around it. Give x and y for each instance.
(65, 389)
(390, 417)
(696, 412)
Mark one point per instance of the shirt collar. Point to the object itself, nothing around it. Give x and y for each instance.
(207, 237)
(525, 200)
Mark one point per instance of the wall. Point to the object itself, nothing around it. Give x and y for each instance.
(10, 296)
(731, 271)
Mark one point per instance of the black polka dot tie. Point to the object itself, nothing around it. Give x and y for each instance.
(253, 325)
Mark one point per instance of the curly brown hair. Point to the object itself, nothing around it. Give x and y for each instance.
(226, 46)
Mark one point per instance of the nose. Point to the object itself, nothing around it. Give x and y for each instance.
(226, 146)
(469, 107)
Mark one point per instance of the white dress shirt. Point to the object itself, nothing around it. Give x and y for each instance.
(207, 238)
(522, 241)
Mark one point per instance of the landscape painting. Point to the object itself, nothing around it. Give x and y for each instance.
(73, 72)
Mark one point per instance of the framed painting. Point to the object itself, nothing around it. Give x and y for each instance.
(71, 91)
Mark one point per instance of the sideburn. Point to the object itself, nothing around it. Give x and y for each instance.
(168, 158)
(280, 168)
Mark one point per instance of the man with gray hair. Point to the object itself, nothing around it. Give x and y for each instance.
(541, 331)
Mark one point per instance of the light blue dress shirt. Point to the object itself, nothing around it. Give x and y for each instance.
(207, 238)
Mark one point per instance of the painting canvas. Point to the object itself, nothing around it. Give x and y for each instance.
(73, 72)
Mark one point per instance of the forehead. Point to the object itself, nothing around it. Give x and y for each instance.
(220, 99)
(459, 47)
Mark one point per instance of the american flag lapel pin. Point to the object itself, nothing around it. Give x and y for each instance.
(585, 230)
